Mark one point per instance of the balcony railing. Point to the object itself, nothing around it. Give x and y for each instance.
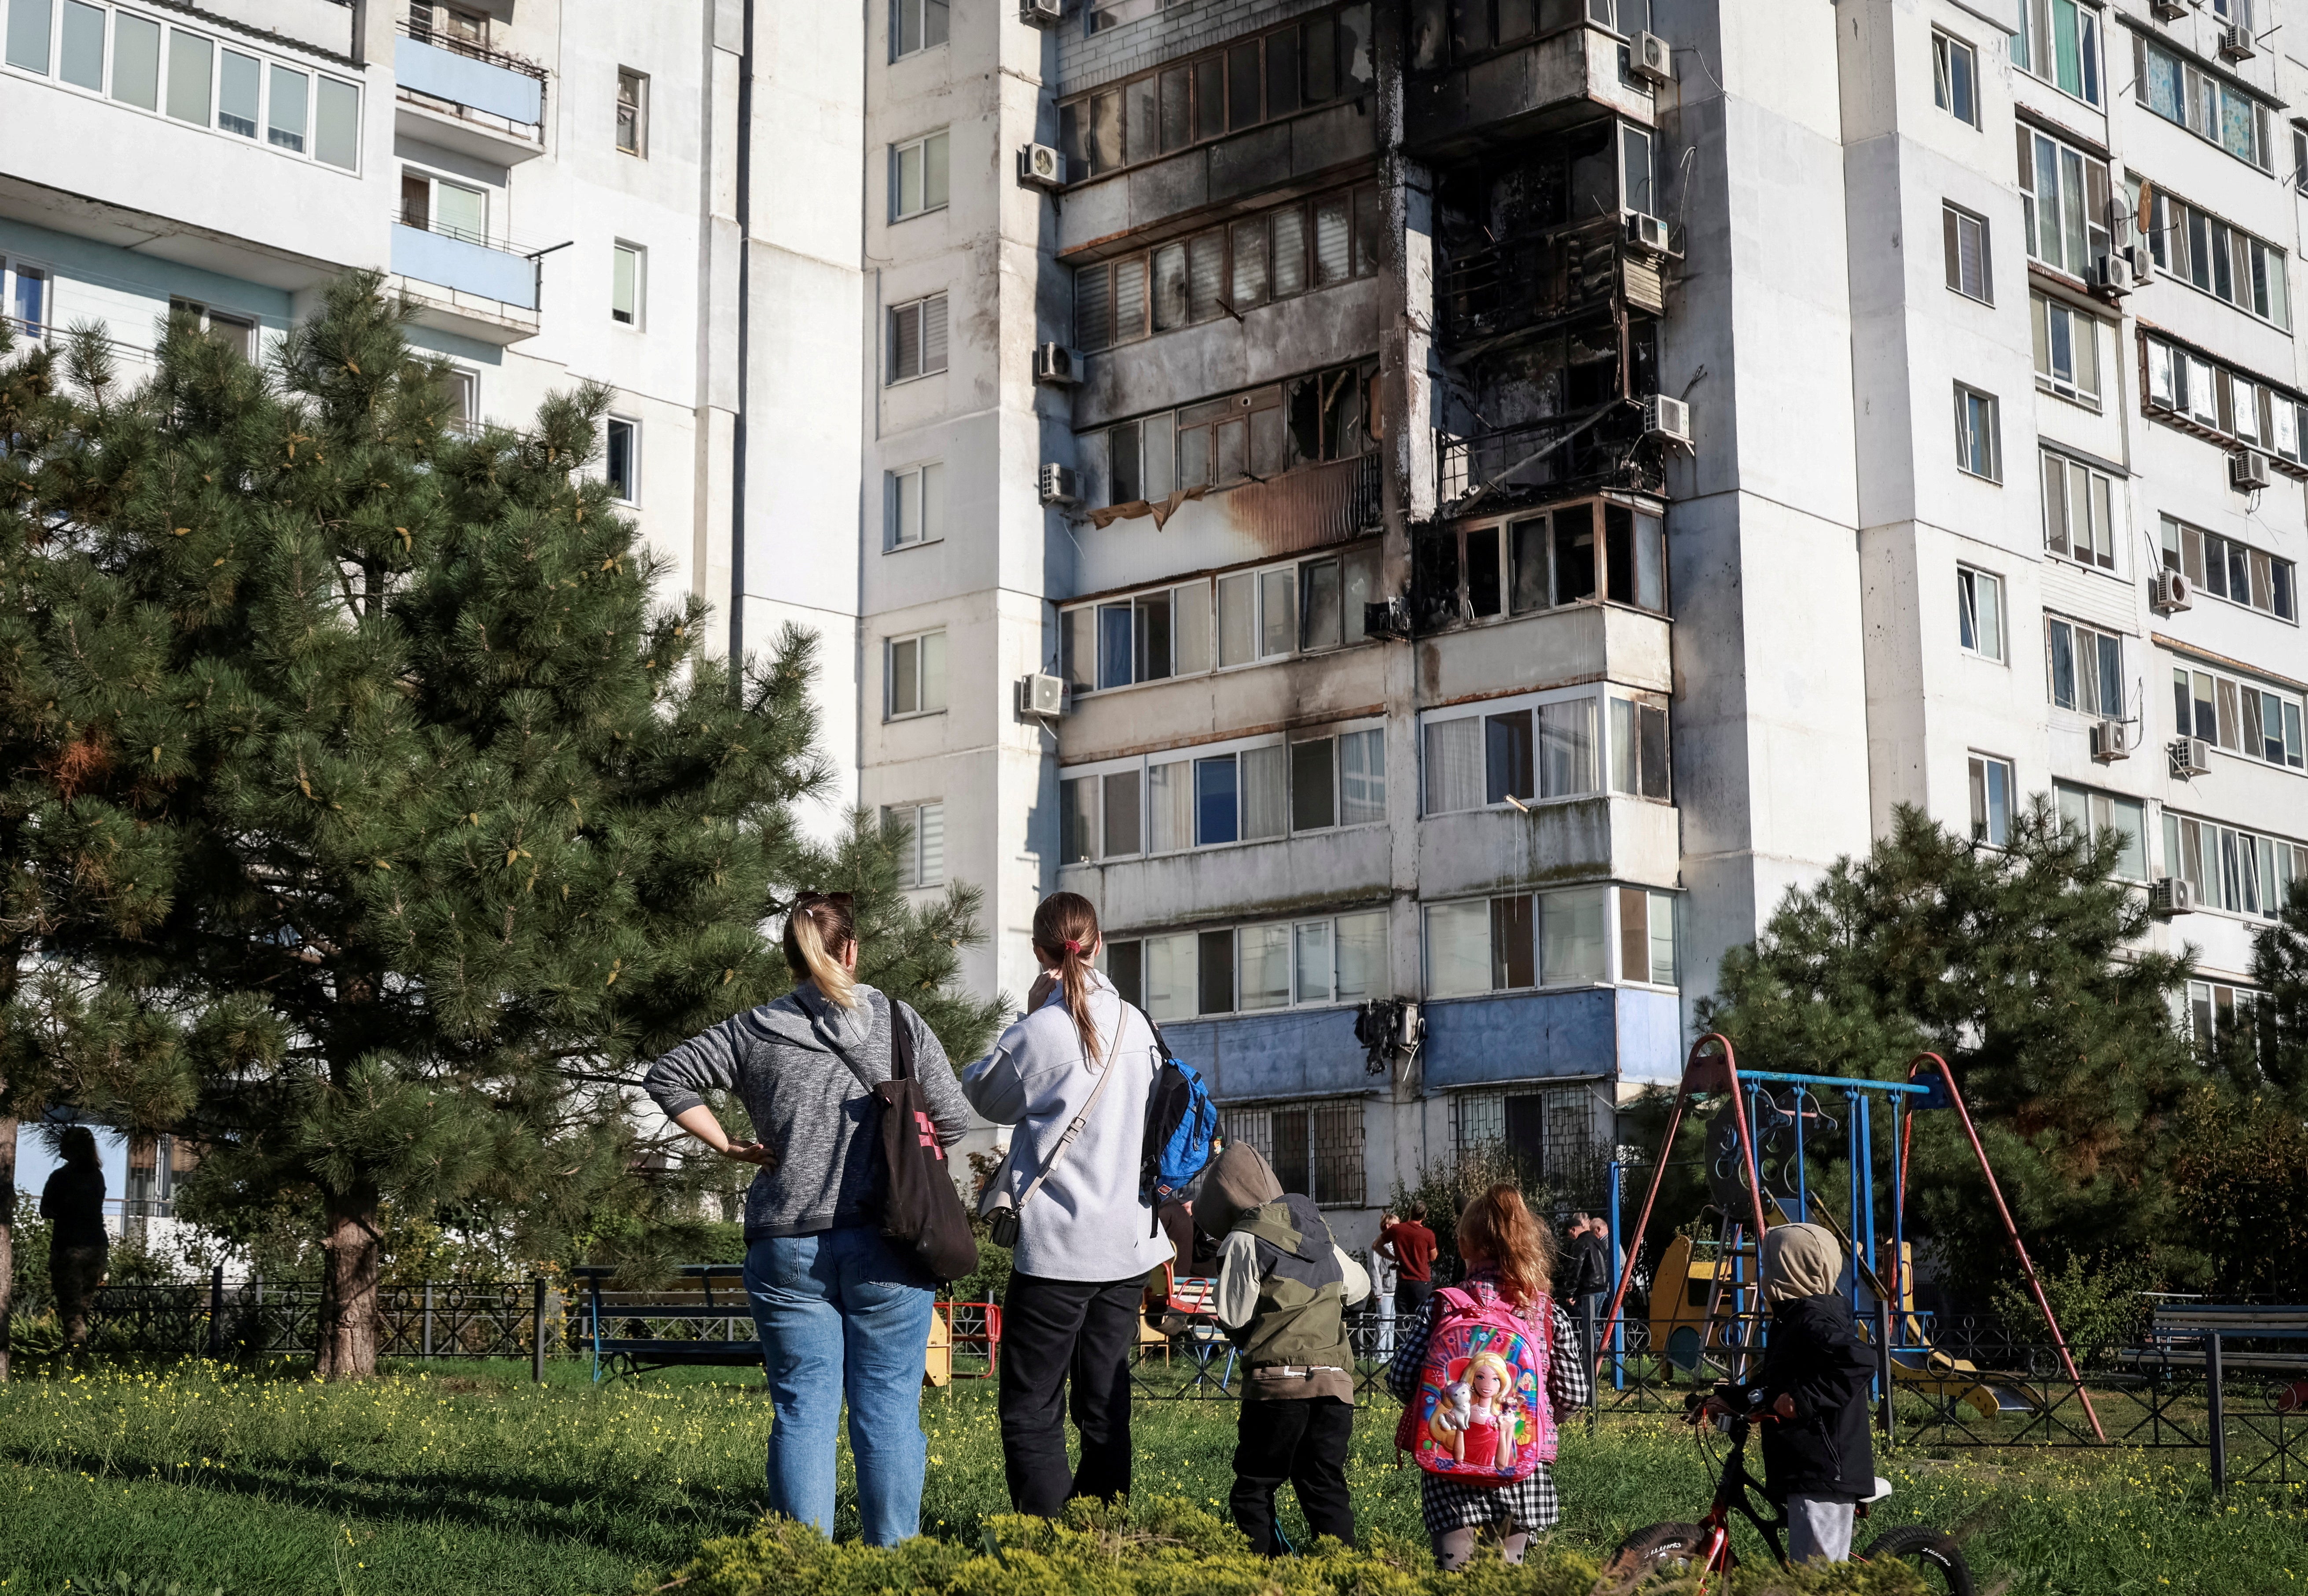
(468, 262)
(499, 94)
(441, 39)
(1602, 447)
(1521, 285)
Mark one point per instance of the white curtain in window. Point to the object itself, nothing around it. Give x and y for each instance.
(1170, 806)
(1265, 794)
(1314, 961)
(1170, 976)
(1571, 950)
(1459, 948)
(1454, 764)
(1566, 748)
(1265, 966)
(1362, 956)
(1362, 777)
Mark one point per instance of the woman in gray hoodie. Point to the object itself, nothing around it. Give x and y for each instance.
(1086, 1241)
(838, 1309)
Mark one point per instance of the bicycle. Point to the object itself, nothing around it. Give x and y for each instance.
(1676, 1549)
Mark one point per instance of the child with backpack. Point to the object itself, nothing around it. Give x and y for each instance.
(1284, 1289)
(1486, 1370)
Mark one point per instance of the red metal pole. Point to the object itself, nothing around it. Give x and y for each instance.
(2012, 1233)
(1634, 1244)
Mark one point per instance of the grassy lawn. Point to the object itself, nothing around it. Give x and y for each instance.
(474, 1480)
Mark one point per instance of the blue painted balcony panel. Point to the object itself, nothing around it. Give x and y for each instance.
(1624, 1033)
(1305, 1053)
(468, 267)
(445, 74)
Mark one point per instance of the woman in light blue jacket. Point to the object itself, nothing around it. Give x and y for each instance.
(1086, 1242)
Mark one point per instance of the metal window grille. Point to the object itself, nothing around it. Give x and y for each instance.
(1316, 1149)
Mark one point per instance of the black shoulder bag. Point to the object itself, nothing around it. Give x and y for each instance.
(921, 1208)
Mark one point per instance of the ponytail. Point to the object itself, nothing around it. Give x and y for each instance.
(820, 928)
(1065, 933)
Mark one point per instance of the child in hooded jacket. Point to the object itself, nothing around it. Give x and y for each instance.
(1506, 1250)
(1284, 1289)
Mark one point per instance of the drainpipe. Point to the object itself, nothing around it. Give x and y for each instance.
(744, 315)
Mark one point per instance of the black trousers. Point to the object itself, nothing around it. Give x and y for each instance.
(1303, 1441)
(1054, 1333)
(1410, 1297)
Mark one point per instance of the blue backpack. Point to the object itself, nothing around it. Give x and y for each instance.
(1182, 1124)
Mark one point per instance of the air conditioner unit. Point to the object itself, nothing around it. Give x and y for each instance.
(1042, 13)
(2247, 471)
(1041, 166)
(2107, 742)
(2111, 274)
(1667, 417)
(2236, 44)
(1646, 233)
(2143, 261)
(1055, 366)
(1651, 58)
(1058, 486)
(1386, 618)
(2191, 757)
(2171, 895)
(2167, 11)
(1039, 694)
(2168, 592)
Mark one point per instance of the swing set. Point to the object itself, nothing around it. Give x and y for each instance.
(1710, 1310)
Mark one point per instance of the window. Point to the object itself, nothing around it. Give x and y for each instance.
(1540, 562)
(1964, 237)
(2064, 213)
(2105, 817)
(622, 460)
(80, 60)
(628, 284)
(633, 111)
(1314, 1148)
(1979, 613)
(1646, 936)
(2207, 105)
(2223, 261)
(29, 308)
(460, 387)
(1548, 1133)
(918, 831)
(917, 338)
(435, 204)
(1955, 78)
(1338, 781)
(135, 61)
(240, 84)
(235, 332)
(2066, 350)
(2240, 716)
(28, 35)
(2086, 667)
(336, 122)
(915, 505)
(2185, 385)
(1334, 959)
(2058, 41)
(1518, 941)
(1991, 801)
(448, 24)
(2218, 1011)
(2231, 570)
(1978, 446)
(916, 25)
(1305, 606)
(285, 120)
(1238, 86)
(190, 65)
(2241, 872)
(918, 674)
(917, 177)
(1539, 752)
(1309, 420)
(2079, 507)
(1639, 749)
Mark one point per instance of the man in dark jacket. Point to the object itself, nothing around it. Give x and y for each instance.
(73, 1202)
(1283, 1290)
(1818, 1458)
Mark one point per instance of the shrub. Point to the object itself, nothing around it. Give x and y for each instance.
(1168, 1548)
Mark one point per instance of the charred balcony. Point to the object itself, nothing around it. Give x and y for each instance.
(1569, 558)
(1485, 73)
(1490, 295)
(1607, 446)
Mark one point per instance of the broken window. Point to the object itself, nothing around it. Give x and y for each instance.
(1325, 415)
(1639, 744)
(1170, 296)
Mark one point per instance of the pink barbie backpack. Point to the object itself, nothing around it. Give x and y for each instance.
(1480, 1414)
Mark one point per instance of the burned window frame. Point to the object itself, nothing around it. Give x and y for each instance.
(1148, 458)
(1616, 536)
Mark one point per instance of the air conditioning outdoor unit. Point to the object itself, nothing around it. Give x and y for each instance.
(1667, 418)
(2111, 274)
(1652, 59)
(2248, 470)
(2168, 592)
(2236, 44)
(1646, 233)
(2107, 742)
(2191, 757)
(1041, 166)
(1042, 13)
(1058, 486)
(2143, 261)
(1055, 367)
(2171, 895)
(2168, 11)
(1039, 694)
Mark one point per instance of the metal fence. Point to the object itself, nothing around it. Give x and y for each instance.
(275, 1318)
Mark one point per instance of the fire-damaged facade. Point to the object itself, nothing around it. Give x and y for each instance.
(1434, 515)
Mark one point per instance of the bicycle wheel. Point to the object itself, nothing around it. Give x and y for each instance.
(1667, 1549)
(1935, 1556)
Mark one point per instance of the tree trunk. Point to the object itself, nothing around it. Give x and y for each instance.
(7, 1234)
(349, 1306)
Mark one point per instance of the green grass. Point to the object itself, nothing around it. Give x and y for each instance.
(472, 1479)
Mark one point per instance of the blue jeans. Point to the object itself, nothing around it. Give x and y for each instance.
(842, 1313)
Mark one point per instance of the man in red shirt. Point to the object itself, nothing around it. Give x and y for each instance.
(1411, 1245)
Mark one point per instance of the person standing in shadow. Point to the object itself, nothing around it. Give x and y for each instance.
(78, 1251)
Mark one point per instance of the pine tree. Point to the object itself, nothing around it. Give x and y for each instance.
(381, 819)
(2023, 967)
(2280, 968)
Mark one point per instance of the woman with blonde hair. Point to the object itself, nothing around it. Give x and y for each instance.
(841, 1312)
(1508, 1255)
(1073, 1075)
